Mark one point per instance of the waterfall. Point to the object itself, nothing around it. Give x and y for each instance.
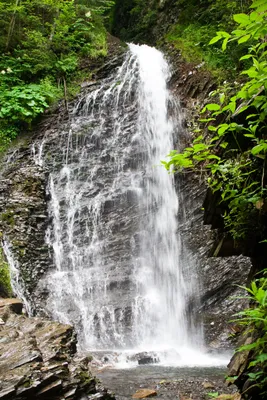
(17, 284)
(120, 277)
(161, 290)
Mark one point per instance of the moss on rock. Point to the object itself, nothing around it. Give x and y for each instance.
(5, 279)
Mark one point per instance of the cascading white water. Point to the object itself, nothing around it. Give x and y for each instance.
(120, 276)
(161, 290)
(16, 282)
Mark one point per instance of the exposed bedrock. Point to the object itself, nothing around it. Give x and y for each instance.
(218, 278)
(38, 359)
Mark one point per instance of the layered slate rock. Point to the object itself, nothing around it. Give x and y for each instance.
(218, 279)
(24, 193)
(38, 359)
(23, 220)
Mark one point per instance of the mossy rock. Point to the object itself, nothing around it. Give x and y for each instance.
(7, 217)
(5, 280)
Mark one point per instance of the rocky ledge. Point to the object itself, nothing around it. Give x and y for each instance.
(38, 359)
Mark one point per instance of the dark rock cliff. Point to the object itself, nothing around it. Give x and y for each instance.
(24, 218)
(218, 277)
(146, 22)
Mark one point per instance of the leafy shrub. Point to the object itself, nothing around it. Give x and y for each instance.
(24, 103)
(233, 152)
(7, 134)
(42, 43)
(255, 321)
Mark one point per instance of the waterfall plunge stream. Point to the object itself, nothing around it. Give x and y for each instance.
(120, 277)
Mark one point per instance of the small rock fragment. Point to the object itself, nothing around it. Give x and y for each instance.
(208, 385)
(144, 394)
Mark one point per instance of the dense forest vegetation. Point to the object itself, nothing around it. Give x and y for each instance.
(44, 43)
(189, 26)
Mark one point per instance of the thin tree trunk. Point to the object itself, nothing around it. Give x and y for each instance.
(54, 26)
(12, 25)
(65, 94)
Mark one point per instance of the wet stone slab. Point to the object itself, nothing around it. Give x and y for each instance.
(38, 359)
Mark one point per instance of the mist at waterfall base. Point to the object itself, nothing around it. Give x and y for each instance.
(121, 278)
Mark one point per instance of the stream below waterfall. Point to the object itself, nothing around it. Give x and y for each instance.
(169, 383)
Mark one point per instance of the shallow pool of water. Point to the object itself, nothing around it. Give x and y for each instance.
(170, 383)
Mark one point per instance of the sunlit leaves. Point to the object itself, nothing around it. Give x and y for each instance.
(24, 103)
(242, 19)
(230, 168)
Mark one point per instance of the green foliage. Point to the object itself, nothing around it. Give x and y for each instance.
(232, 153)
(5, 284)
(255, 321)
(213, 395)
(197, 24)
(42, 43)
(135, 19)
(7, 134)
(24, 103)
(192, 40)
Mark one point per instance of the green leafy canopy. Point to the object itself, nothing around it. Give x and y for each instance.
(231, 150)
(42, 43)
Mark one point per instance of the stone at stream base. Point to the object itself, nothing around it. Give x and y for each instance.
(38, 360)
(208, 385)
(144, 394)
(145, 358)
(14, 305)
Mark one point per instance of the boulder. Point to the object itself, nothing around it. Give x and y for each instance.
(208, 385)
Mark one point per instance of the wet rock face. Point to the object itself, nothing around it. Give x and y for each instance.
(23, 219)
(38, 359)
(218, 278)
(96, 214)
(221, 298)
(24, 194)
